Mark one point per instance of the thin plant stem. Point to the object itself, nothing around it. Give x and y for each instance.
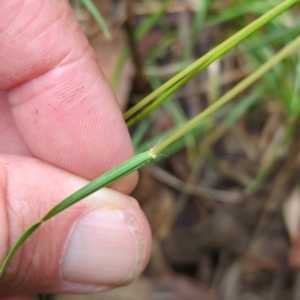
(212, 55)
(230, 95)
(295, 102)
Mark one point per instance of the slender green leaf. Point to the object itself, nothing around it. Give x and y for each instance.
(231, 94)
(89, 4)
(108, 178)
(18, 244)
(184, 76)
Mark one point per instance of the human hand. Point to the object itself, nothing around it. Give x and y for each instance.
(60, 126)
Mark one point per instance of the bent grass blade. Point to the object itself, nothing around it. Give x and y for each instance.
(106, 179)
(18, 244)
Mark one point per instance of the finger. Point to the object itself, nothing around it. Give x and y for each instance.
(11, 141)
(60, 100)
(100, 242)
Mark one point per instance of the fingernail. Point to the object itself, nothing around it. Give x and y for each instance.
(105, 247)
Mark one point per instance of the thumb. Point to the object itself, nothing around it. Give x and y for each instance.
(100, 242)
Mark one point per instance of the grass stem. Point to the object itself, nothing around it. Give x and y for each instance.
(230, 95)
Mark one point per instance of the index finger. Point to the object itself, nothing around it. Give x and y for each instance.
(60, 100)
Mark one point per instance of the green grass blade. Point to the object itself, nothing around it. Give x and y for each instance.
(231, 94)
(108, 178)
(281, 35)
(267, 167)
(242, 107)
(211, 56)
(295, 102)
(140, 132)
(89, 4)
(239, 10)
(174, 110)
(18, 244)
(197, 25)
(236, 112)
(233, 114)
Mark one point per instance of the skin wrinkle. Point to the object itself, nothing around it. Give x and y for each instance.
(93, 79)
(14, 19)
(32, 22)
(68, 104)
(21, 223)
(44, 32)
(26, 269)
(106, 116)
(16, 219)
(18, 213)
(86, 52)
(70, 27)
(13, 278)
(11, 140)
(64, 63)
(112, 131)
(65, 57)
(61, 63)
(7, 128)
(11, 275)
(4, 219)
